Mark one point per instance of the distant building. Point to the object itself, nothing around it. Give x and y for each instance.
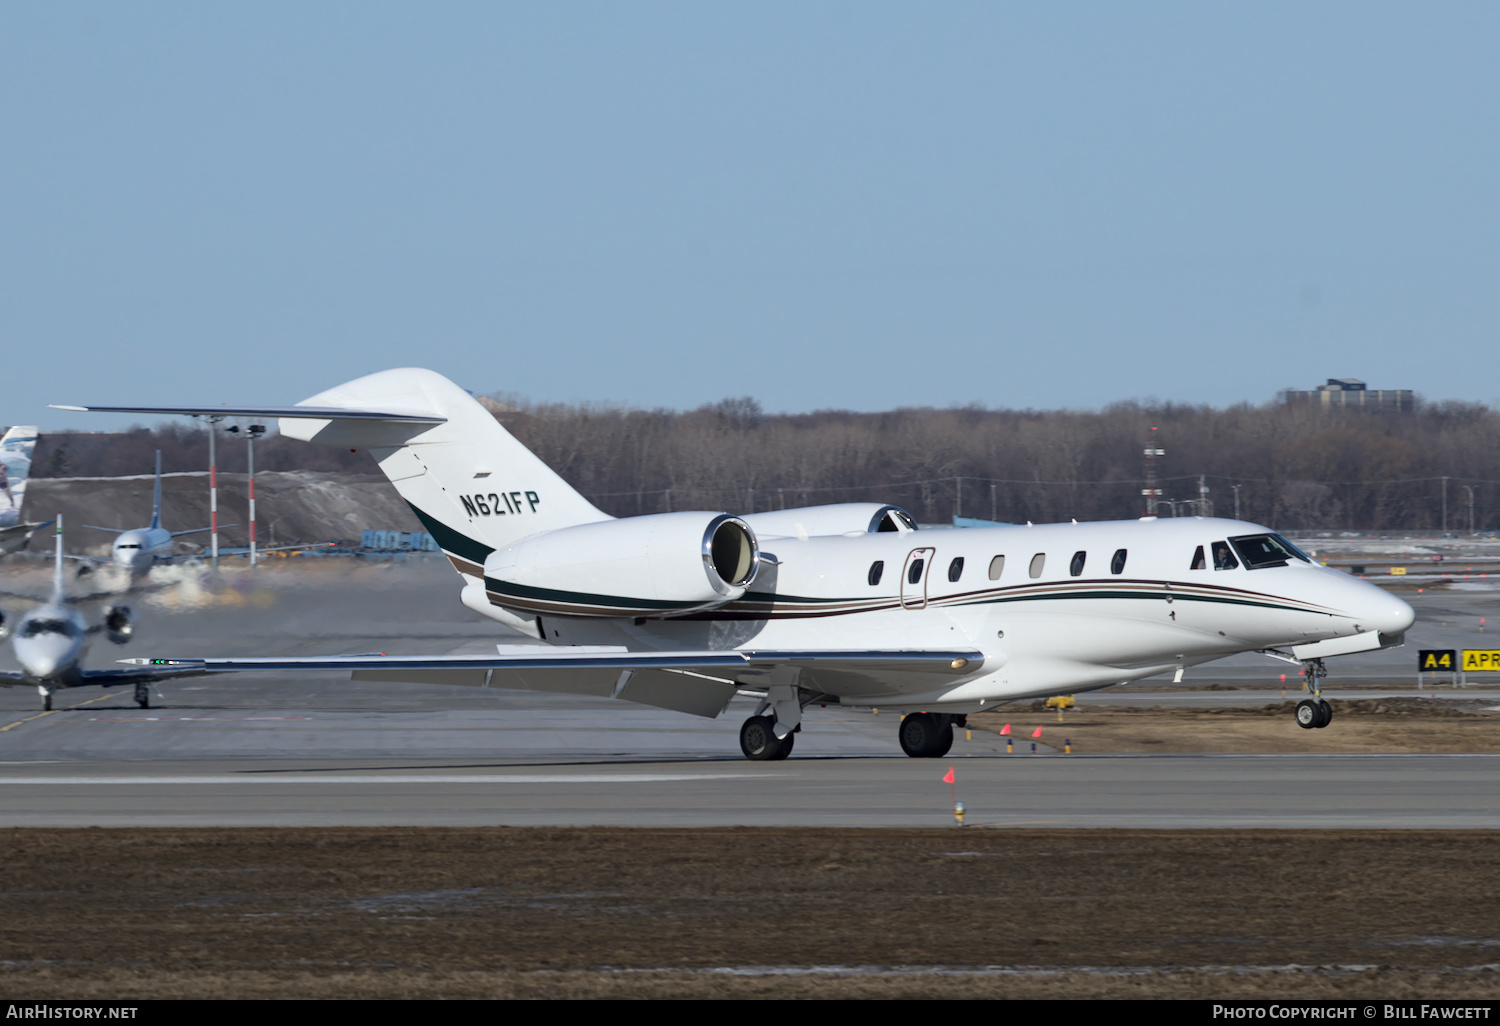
(1351, 392)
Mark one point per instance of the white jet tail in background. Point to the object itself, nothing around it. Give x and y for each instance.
(15, 467)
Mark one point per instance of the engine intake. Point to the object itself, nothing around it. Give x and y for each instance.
(665, 565)
(119, 624)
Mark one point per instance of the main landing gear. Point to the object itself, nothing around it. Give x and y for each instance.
(758, 740)
(143, 696)
(1314, 713)
(927, 735)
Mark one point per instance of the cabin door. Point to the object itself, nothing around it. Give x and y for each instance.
(914, 578)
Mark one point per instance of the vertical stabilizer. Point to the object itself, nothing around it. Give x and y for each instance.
(15, 468)
(473, 486)
(156, 495)
(59, 582)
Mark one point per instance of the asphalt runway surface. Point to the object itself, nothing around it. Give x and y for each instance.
(288, 749)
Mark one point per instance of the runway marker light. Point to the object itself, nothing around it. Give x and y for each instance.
(1010, 746)
(958, 812)
(1033, 748)
(1067, 746)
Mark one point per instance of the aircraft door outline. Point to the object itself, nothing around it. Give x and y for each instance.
(914, 574)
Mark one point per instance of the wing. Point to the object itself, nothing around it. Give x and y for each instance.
(111, 678)
(695, 682)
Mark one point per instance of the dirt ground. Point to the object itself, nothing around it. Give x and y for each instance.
(503, 912)
(1402, 725)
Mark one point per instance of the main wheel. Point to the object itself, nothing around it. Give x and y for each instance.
(925, 736)
(758, 740)
(47, 702)
(1309, 714)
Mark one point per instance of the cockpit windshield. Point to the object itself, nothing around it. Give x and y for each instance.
(34, 628)
(1258, 551)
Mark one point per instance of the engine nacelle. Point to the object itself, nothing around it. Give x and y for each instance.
(847, 518)
(664, 565)
(4, 626)
(119, 624)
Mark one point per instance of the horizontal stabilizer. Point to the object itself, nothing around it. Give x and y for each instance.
(291, 412)
(696, 682)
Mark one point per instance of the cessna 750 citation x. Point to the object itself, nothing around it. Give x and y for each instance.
(846, 604)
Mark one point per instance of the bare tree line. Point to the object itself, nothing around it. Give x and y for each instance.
(1297, 467)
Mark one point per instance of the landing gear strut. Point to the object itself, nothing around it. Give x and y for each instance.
(1314, 713)
(758, 740)
(143, 696)
(926, 735)
(46, 699)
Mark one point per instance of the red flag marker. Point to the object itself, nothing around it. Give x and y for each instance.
(1037, 732)
(1005, 729)
(949, 779)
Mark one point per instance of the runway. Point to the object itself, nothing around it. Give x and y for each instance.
(248, 750)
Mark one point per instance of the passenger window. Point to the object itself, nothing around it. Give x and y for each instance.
(1223, 558)
(1117, 565)
(997, 567)
(1198, 563)
(1076, 567)
(914, 575)
(1037, 562)
(956, 568)
(876, 569)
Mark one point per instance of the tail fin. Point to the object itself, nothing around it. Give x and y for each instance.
(15, 467)
(59, 581)
(473, 486)
(156, 495)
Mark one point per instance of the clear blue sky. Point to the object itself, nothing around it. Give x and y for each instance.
(853, 205)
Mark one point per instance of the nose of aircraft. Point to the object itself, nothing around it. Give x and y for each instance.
(1381, 611)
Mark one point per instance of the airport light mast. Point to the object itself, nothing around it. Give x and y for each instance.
(252, 434)
(213, 490)
(1151, 491)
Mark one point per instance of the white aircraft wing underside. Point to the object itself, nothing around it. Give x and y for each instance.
(695, 682)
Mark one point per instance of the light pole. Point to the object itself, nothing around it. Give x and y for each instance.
(252, 434)
(1236, 501)
(213, 490)
(1470, 490)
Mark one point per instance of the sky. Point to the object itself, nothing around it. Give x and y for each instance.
(819, 205)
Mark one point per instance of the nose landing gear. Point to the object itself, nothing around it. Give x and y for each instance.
(1314, 713)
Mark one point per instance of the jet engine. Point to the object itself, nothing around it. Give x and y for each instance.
(119, 623)
(664, 565)
(846, 518)
(4, 626)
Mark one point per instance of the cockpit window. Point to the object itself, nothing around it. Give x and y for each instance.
(1258, 551)
(1223, 558)
(1198, 561)
(36, 627)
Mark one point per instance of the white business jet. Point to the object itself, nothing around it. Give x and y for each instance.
(845, 604)
(52, 638)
